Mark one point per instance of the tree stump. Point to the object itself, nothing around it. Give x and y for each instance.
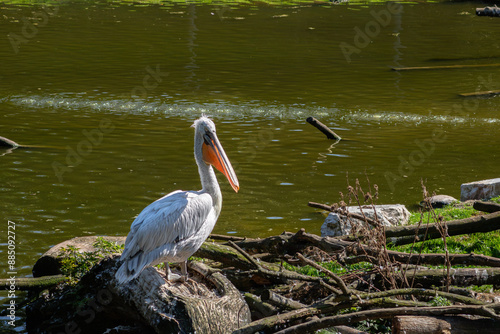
(207, 303)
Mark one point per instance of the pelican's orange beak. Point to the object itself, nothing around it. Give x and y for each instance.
(214, 154)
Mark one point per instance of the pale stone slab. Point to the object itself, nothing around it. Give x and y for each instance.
(388, 215)
(484, 189)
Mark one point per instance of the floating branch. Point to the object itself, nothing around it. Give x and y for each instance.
(442, 67)
(323, 128)
(487, 93)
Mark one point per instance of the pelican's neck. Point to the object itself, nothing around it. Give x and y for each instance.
(207, 175)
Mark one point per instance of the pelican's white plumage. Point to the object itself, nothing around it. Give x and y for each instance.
(173, 227)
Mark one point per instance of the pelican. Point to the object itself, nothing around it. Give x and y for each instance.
(173, 227)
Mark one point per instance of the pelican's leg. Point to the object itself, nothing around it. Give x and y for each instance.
(184, 271)
(171, 276)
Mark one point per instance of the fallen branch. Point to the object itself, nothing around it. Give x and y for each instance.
(354, 215)
(280, 301)
(481, 94)
(221, 237)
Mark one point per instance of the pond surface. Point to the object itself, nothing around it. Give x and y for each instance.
(106, 93)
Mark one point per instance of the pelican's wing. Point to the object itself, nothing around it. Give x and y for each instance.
(170, 219)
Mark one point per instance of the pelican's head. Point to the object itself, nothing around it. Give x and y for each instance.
(211, 150)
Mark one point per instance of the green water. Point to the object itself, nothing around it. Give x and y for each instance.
(109, 90)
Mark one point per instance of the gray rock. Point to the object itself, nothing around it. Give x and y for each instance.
(484, 189)
(389, 215)
(439, 201)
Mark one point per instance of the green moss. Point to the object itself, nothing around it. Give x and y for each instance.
(75, 264)
(496, 199)
(479, 243)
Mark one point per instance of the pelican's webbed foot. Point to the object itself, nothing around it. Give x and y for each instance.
(175, 277)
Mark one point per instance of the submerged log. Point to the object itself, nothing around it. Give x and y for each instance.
(323, 128)
(7, 143)
(488, 11)
(207, 303)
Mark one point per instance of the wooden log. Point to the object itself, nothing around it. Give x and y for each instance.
(488, 11)
(323, 128)
(444, 67)
(486, 93)
(486, 206)
(462, 277)
(437, 325)
(32, 283)
(400, 235)
(50, 262)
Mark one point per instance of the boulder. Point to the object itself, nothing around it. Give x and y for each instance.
(484, 189)
(388, 215)
(439, 201)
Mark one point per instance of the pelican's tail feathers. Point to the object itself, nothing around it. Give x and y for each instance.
(130, 269)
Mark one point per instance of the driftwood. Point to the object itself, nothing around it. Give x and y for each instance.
(455, 325)
(444, 67)
(323, 128)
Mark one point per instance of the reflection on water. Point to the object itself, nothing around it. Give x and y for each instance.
(149, 71)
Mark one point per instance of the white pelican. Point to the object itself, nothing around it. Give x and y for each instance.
(173, 227)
